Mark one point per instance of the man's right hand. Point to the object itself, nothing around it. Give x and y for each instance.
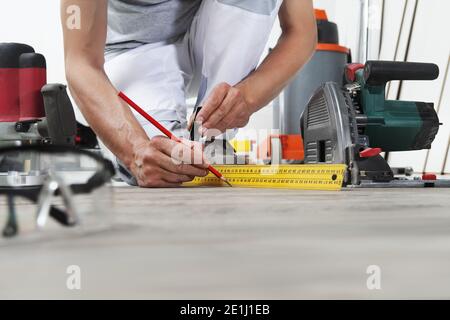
(162, 162)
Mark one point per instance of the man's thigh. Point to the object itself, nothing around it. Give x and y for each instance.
(227, 39)
(151, 75)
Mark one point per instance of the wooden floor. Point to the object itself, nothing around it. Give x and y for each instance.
(229, 243)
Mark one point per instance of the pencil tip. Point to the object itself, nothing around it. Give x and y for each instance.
(226, 181)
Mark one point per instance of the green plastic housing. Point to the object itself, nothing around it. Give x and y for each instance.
(396, 125)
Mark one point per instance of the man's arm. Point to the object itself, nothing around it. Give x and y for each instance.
(231, 107)
(109, 117)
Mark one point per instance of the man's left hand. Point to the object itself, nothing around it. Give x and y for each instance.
(225, 108)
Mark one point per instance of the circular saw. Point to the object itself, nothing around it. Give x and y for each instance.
(355, 123)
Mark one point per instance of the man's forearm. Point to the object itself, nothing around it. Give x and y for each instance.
(284, 61)
(108, 116)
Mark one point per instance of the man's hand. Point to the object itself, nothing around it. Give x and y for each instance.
(225, 108)
(162, 162)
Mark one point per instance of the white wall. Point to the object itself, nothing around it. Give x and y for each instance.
(429, 43)
(37, 23)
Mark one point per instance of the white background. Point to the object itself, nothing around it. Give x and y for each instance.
(36, 22)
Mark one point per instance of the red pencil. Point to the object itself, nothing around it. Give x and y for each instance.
(166, 132)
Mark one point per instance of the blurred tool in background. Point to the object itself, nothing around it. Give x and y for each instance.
(281, 148)
(57, 186)
(27, 115)
(41, 144)
(326, 65)
(33, 112)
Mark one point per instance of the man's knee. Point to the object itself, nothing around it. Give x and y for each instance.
(264, 7)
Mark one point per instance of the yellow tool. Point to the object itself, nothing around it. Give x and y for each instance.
(328, 177)
(242, 146)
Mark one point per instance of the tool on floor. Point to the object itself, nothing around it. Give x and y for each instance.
(39, 144)
(57, 171)
(304, 177)
(281, 149)
(32, 112)
(354, 124)
(166, 132)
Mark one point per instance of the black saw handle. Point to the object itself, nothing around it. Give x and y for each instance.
(60, 122)
(378, 73)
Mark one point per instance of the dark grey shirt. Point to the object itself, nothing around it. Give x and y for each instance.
(132, 23)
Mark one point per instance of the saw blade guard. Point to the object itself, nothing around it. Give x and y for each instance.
(329, 127)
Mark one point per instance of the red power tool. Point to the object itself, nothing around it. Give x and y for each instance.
(22, 76)
(32, 111)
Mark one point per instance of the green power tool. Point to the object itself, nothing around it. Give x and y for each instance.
(354, 124)
(396, 125)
